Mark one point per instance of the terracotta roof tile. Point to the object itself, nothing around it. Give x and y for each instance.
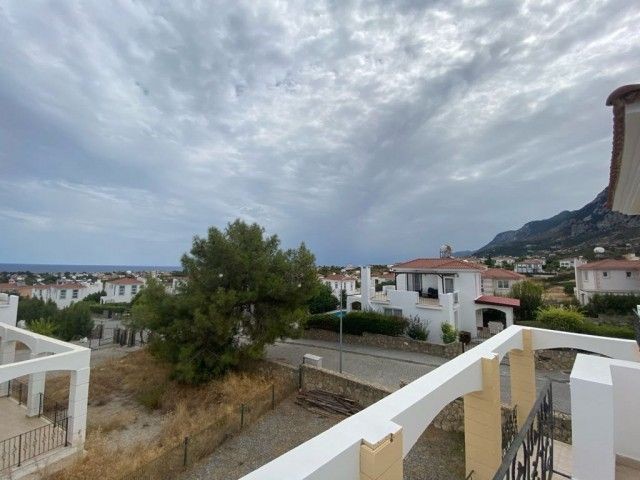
(438, 264)
(500, 301)
(611, 264)
(501, 273)
(125, 281)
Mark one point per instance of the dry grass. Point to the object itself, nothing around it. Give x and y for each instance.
(140, 379)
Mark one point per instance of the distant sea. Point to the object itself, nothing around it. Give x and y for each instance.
(51, 268)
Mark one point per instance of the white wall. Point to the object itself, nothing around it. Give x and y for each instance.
(8, 309)
(113, 294)
(616, 282)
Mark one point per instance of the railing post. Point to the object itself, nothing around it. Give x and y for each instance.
(19, 449)
(41, 406)
(241, 415)
(20, 393)
(273, 396)
(186, 448)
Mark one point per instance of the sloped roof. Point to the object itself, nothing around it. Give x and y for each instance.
(338, 277)
(438, 264)
(611, 264)
(501, 273)
(125, 281)
(499, 301)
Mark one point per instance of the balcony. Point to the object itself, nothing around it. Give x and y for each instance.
(372, 443)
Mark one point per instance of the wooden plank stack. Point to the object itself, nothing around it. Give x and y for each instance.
(321, 400)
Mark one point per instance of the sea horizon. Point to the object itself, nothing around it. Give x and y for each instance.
(82, 268)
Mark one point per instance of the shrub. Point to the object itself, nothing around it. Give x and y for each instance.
(613, 304)
(43, 326)
(449, 333)
(530, 295)
(74, 322)
(417, 330)
(323, 301)
(356, 323)
(568, 287)
(563, 319)
(614, 331)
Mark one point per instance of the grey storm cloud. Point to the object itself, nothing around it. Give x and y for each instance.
(373, 131)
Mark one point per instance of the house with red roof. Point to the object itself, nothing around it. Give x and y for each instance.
(339, 282)
(121, 290)
(498, 281)
(609, 276)
(437, 291)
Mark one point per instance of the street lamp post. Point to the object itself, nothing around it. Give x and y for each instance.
(341, 314)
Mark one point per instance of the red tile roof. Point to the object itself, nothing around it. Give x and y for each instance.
(70, 285)
(125, 281)
(501, 273)
(338, 277)
(611, 264)
(531, 261)
(499, 301)
(438, 264)
(619, 99)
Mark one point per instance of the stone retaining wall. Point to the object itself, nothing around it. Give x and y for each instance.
(450, 418)
(450, 350)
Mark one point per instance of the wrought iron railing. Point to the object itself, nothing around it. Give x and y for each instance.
(530, 453)
(509, 428)
(17, 390)
(16, 450)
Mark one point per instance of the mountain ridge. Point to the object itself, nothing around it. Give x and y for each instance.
(570, 231)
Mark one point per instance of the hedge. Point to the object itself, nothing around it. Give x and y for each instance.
(613, 304)
(581, 325)
(357, 323)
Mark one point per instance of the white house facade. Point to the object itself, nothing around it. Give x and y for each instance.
(121, 290)
(497, 281)
(64, 294)
(530, 266)
(614, 277)
(338, 283)
(435, 291)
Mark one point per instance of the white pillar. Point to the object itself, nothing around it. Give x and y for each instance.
(592, 420)
(35, 391)
(365, 288)
(78, 397)
(7, 355)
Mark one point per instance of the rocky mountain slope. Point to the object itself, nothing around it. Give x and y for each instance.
(568, 232)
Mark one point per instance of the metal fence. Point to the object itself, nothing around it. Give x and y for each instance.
(18, 390)
(203, 443)
(16, 450)
(125, 337)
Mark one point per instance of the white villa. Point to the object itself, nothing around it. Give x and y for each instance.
(338, 282)
(614, 277)
(497, 281)
(120, 290)
(571, 262)
(504, 260)
(33, 435)
(529, 265)
(436, 290)
(63, 294)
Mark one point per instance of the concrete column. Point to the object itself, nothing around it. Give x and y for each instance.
(382, 460)
(35, 390)
(522, 367)
(483, 423)
(7, 355)
(78, 397)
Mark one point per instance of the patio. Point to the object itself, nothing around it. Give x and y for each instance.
(14, 420)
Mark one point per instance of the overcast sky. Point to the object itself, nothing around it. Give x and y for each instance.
(372, 131)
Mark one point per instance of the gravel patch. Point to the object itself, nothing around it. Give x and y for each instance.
(437, 455)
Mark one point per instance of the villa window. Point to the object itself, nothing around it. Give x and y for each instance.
(121, 290)
(605, 274)
(63, 294)
(503, 283)
(628, 274)
(134, 289)
(74, 294)
(585, 275)
(393, 312)
(448, 285)
(335, 284)
(414, 282)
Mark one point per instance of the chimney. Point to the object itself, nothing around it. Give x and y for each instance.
(365, 288)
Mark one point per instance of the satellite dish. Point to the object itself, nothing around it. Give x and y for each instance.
(598, 250)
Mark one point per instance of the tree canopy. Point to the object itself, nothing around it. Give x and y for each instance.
(242, 292)
(323, 300)
(530, 295)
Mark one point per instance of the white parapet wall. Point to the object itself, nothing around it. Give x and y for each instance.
(8, 309)
(335, 453)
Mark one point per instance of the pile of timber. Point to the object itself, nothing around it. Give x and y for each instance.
(327, 402)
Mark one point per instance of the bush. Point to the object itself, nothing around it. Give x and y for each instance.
(530, 295)
(356, 323)
(43, 326)
(74, 322)
(613, 304)
(563, 319)
(323, 301)
(568, 287)
(614, 331)
(417, 330)
(449, 333)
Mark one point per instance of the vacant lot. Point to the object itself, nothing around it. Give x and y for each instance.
(136, 411)
(437, 455)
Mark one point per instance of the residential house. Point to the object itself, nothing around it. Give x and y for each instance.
(498, 281)
(614, 277)
(571, 262)
(381, 278)
(121, 290)
(530, 266)
(504, 261)
(436, 291)
(338, 283)
(63, 294)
